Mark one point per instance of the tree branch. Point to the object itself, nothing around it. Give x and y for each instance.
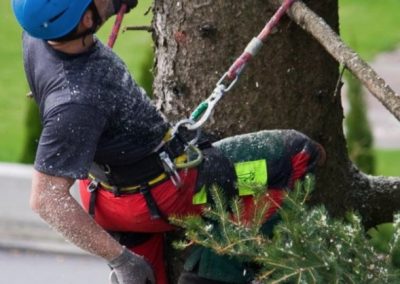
(375, 197)
(330, 40)
(138, 28)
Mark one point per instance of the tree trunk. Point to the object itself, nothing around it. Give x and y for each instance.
(290, 84)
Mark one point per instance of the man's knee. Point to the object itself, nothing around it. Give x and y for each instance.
(305, 153)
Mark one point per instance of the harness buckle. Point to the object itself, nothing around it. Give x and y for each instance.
(93, 185)
(170, 169)
(92, 189)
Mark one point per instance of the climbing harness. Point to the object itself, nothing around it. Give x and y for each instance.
(142, 175)
(205, 109)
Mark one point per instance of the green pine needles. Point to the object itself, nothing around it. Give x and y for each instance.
(308, 246)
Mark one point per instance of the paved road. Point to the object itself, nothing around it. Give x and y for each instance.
(386, 127)
(30, 252)
(18, 267)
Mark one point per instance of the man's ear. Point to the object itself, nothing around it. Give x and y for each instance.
(87, 20)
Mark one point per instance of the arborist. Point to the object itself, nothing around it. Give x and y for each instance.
(135, 169)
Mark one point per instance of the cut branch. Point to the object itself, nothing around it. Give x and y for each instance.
(330, 40)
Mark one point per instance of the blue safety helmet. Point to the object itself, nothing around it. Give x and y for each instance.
(49, 19)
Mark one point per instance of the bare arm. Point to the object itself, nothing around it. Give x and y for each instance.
(51, 199)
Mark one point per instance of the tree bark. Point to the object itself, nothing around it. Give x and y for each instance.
(291, 84)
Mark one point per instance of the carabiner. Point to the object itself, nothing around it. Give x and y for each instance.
(170, 169)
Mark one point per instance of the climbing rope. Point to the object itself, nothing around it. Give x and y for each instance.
(205, 109)
(117, 26)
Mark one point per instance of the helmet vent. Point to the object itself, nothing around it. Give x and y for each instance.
(57, 16)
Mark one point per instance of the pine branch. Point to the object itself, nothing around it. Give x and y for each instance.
(308, 246)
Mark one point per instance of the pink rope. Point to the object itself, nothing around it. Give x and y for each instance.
(275, 19)
(117, 26)
(242, 61)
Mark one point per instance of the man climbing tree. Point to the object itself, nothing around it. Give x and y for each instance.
(136, 169)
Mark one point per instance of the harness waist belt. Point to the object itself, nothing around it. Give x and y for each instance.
(129, 189)
(149, 170)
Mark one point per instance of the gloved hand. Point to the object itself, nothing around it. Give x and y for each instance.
(130, 268)
(130, 3)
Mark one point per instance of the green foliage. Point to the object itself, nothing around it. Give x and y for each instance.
(387, 162)
(370, 24)
(223, 234)
(145, 78)
(381, 236)
(12, 86)
(358, 130)
(308, 245)
(33, 129)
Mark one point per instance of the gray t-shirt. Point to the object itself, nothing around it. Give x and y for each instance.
(90, 108)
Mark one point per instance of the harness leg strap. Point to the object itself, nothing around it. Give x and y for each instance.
(150, 202)
(92, 188)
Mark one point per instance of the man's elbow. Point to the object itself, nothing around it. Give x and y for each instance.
(47, 192)
(38, 203)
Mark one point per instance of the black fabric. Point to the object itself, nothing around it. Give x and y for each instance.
(174, 147)
(155, 212)
(136, 173)
(91, 110)
(130, 239)
(192, 278)
(130, 4)
(139, 172)
(93, 188)
(218, 170)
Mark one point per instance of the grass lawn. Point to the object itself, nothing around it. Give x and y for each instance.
(370, 26)
(387, 162)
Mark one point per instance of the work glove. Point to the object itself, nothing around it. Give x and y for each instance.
(130, 268)
(130, 4)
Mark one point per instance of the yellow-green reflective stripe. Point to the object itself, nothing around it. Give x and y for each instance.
(251, 174)
(200, 197)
